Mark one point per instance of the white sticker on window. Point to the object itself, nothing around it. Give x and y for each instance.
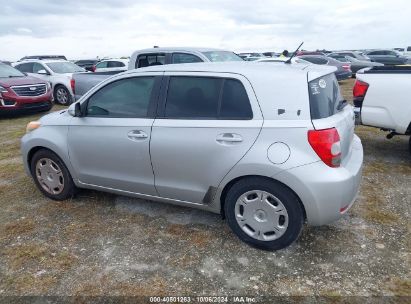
(314, 89)
(322, 83)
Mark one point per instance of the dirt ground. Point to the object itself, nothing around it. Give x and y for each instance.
(102, 244)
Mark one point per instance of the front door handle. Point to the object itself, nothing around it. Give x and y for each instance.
(137, 135)
(229, 138)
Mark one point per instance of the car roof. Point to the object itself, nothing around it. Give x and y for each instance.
(41, 61)
(187, 49)
(247, 69)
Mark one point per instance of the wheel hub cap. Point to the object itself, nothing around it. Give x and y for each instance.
(49, 176)
(261, 215)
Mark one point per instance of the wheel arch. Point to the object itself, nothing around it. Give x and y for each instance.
(231, 183)
(32, 151)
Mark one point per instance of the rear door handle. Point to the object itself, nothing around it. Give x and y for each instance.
(137, 135)
(229, 138)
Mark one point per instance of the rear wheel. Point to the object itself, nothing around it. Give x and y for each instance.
(264, 213)
(52, 176)
(62, 95)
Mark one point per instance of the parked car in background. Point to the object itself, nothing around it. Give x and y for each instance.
(111, 65)
(387, 57)
(268, 149)
(354, 54)
(87, 64)
(284, 59)
(382, 99)
(58, 72)
(355, 64)
(251, 56)
(407, 52)
(302, 53)
(22, 93)
(271, 54)
(343, 69)
(5, 62)
(83, 82)
(41, 57)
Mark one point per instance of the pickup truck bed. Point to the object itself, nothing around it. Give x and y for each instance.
(83, 82)
(382, 98)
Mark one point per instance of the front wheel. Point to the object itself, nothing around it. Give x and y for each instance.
(62, 95)
(264, 213)
(52, 176)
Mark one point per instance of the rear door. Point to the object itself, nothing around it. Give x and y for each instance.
(206, 123)
(328, 110)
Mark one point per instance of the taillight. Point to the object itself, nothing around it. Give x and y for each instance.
(93, 68)
(359, 91)
(73, 85)
(326, 143)
(346, 67)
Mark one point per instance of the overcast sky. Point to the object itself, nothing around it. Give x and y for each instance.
(90, 28)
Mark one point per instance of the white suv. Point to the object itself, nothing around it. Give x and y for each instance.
(57, 72)
(111, 65)
(267, 148)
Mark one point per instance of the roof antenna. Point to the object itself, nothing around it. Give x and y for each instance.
(295, 53)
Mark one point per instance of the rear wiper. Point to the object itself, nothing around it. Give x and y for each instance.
(341, 104)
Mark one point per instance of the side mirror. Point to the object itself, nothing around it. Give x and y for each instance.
(75, 110)
(42, 72)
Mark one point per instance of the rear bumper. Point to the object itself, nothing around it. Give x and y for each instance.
(327, 193)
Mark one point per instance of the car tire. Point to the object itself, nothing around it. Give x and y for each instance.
(253, 204)
(51, 176)
(62, 95)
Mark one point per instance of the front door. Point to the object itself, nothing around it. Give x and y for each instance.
(109, 146)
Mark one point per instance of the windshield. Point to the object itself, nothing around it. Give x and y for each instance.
(7, 71)
(219, 56)
(64, 67)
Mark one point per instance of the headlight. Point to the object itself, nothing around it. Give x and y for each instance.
(32, 125)
(3, 90)
(48, 85)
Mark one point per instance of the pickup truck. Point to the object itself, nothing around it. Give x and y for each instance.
(82, 82)
(382, 99)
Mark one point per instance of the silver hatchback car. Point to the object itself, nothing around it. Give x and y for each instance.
(268, 146)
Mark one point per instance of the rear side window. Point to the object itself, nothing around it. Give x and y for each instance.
(185, 58)
(207, 98)
(234, 102)
(325, 96)
(145, 60)
(123, 98)
(115, 64)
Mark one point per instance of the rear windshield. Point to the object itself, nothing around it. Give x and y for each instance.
(325, 96)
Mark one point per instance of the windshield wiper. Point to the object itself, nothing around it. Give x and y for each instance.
(341, 104)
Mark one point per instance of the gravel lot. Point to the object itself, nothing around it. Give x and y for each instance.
(102, 244)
